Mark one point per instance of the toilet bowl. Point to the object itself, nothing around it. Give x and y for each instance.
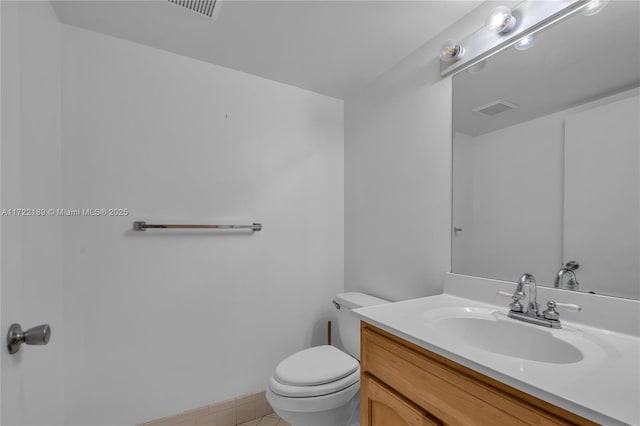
(320, 386)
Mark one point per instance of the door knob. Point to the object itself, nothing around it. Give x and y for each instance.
(38, 335)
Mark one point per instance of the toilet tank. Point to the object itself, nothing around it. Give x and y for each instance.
(348, 324)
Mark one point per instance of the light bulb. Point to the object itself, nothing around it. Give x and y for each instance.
(526, 42)
(594, 6)
(501, 20)
(451, 51)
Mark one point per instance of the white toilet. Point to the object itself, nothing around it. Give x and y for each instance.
(320, 386)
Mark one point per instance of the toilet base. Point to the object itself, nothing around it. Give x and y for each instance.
(344, 415)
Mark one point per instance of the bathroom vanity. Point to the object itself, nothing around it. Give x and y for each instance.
(404, 384)
(457, 358)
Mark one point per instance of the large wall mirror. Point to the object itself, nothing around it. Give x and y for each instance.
(546, 158)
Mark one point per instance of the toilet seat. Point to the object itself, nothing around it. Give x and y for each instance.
(316, 371)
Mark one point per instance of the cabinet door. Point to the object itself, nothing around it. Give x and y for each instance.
(381, 406)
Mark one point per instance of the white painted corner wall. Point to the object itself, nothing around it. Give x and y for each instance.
(398, 175)
(397, 192)
(166, 321)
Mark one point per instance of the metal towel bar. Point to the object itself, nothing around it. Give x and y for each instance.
(143, 226)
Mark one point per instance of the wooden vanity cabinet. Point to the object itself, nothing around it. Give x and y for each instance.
(403, 384)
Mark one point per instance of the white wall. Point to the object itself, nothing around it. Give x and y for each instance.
(166, 321)
(31, 277)
(398, 175)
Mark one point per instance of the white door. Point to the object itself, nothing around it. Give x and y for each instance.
(30, 258)
(601, 206)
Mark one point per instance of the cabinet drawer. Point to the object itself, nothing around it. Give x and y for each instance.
(450, 392)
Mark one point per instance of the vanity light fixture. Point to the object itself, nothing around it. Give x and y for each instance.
(594, 6)
(501, 20)
(506, 26)
(526, 42)
(451, 50)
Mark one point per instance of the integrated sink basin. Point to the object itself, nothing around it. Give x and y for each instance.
(493, 331)
(507, 337)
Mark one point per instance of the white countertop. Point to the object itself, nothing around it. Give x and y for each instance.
(604, 386)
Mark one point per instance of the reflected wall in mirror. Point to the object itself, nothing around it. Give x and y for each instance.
(546, 159)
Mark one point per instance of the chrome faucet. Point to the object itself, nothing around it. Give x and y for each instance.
(549, 318)
(532, 307)
(567, 269)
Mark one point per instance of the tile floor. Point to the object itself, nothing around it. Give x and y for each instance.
(270, 420)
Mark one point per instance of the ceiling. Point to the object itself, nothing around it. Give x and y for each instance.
(331, 47)
(581, 59)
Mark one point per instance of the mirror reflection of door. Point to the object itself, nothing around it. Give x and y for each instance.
(601, 194)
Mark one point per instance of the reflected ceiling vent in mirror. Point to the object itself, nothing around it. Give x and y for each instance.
(496, 107)
(203, 7)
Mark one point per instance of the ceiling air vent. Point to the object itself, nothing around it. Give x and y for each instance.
(495, 107)
(204, 7)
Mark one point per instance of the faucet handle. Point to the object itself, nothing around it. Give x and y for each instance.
(515, 296)
(568, 306)
(515, 305)
(552, 314)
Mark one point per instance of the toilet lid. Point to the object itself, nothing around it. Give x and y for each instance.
(315, 366)
(344, 383)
